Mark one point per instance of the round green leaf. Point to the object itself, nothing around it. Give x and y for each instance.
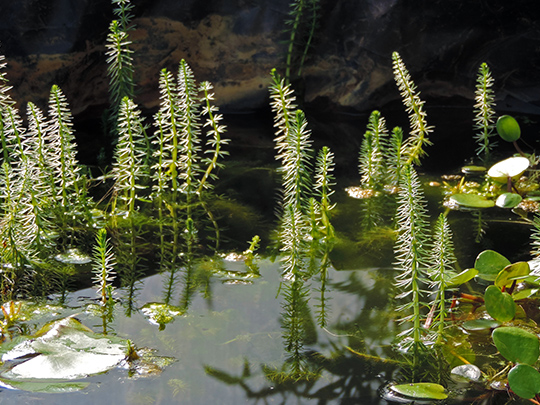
(421, 390)
(508, 128)
(471, 201)
(480, 324)
(461, 278)
(508, 200)
(489, 263)
(471, 169)
(522, 294)
(512, 167)
(514, 271)
(516, 344)
(499, 305)
(524, 380)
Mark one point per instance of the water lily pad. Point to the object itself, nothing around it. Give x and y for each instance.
(512, 167)
(63, 350)
(512, 272)
(421, 390)
(508, 200)
(524, 380)
(508, 128)
(516, 345)
(489, 263)
(471, 201)
(480, 324)
(73, 256)
(499, 305)
(47, 387)
(461, 278)
(466, 373)
(472, 169)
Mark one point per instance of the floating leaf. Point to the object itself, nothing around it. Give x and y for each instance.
(47, 387)
(466, 373)
(524, 380)
(512, 167)
(421, 390)
(63, 350)
(499, 305)
(471, 201)
(508, 128)
(471, 169)
(480, 324)
(512, 272)
(462, 278)
(516, 344)
(489, 263)
(508, 200)
(522, 294)
(73, 256)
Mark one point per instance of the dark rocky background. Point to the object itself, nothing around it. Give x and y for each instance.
(235, 43)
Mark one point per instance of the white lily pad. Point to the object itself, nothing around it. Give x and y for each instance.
(63, 350)
(512, 167)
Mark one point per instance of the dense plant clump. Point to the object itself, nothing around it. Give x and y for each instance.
(160, 204)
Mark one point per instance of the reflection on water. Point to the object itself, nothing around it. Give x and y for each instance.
(230, 337)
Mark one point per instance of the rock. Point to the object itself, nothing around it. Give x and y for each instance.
(234, 44)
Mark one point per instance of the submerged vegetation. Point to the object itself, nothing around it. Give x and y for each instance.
(161, 212)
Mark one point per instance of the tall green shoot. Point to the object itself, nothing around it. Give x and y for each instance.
(413, 147)
(484, 120)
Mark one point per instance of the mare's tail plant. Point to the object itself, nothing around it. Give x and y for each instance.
(393, 157)
(303, 23)
(413, 147)
(120, 61)
(441, 266)
(484, 121)
(72, 201)
(324, 236)
(129, 167)
(183, 168)
(305, 232)
(372, 165)
(129, 172)
(103, 267)
(411, 255)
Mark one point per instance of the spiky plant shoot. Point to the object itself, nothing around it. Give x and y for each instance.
(484, 122)
(103, 266)
(371, 160)
(129, 164)
(413, 147)
(442, 261)
(411, 254)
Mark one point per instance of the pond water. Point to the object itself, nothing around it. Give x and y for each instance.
(219, 339)
(223, 343)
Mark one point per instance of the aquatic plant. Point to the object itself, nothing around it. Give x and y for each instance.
(372, 164)
(411, 256)
(103, 266)
(72, 201)
(120, 61)
(484, 122)
(413, 147)
(305, 234)
(441, 264)
(303, 22)
(129, 168)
